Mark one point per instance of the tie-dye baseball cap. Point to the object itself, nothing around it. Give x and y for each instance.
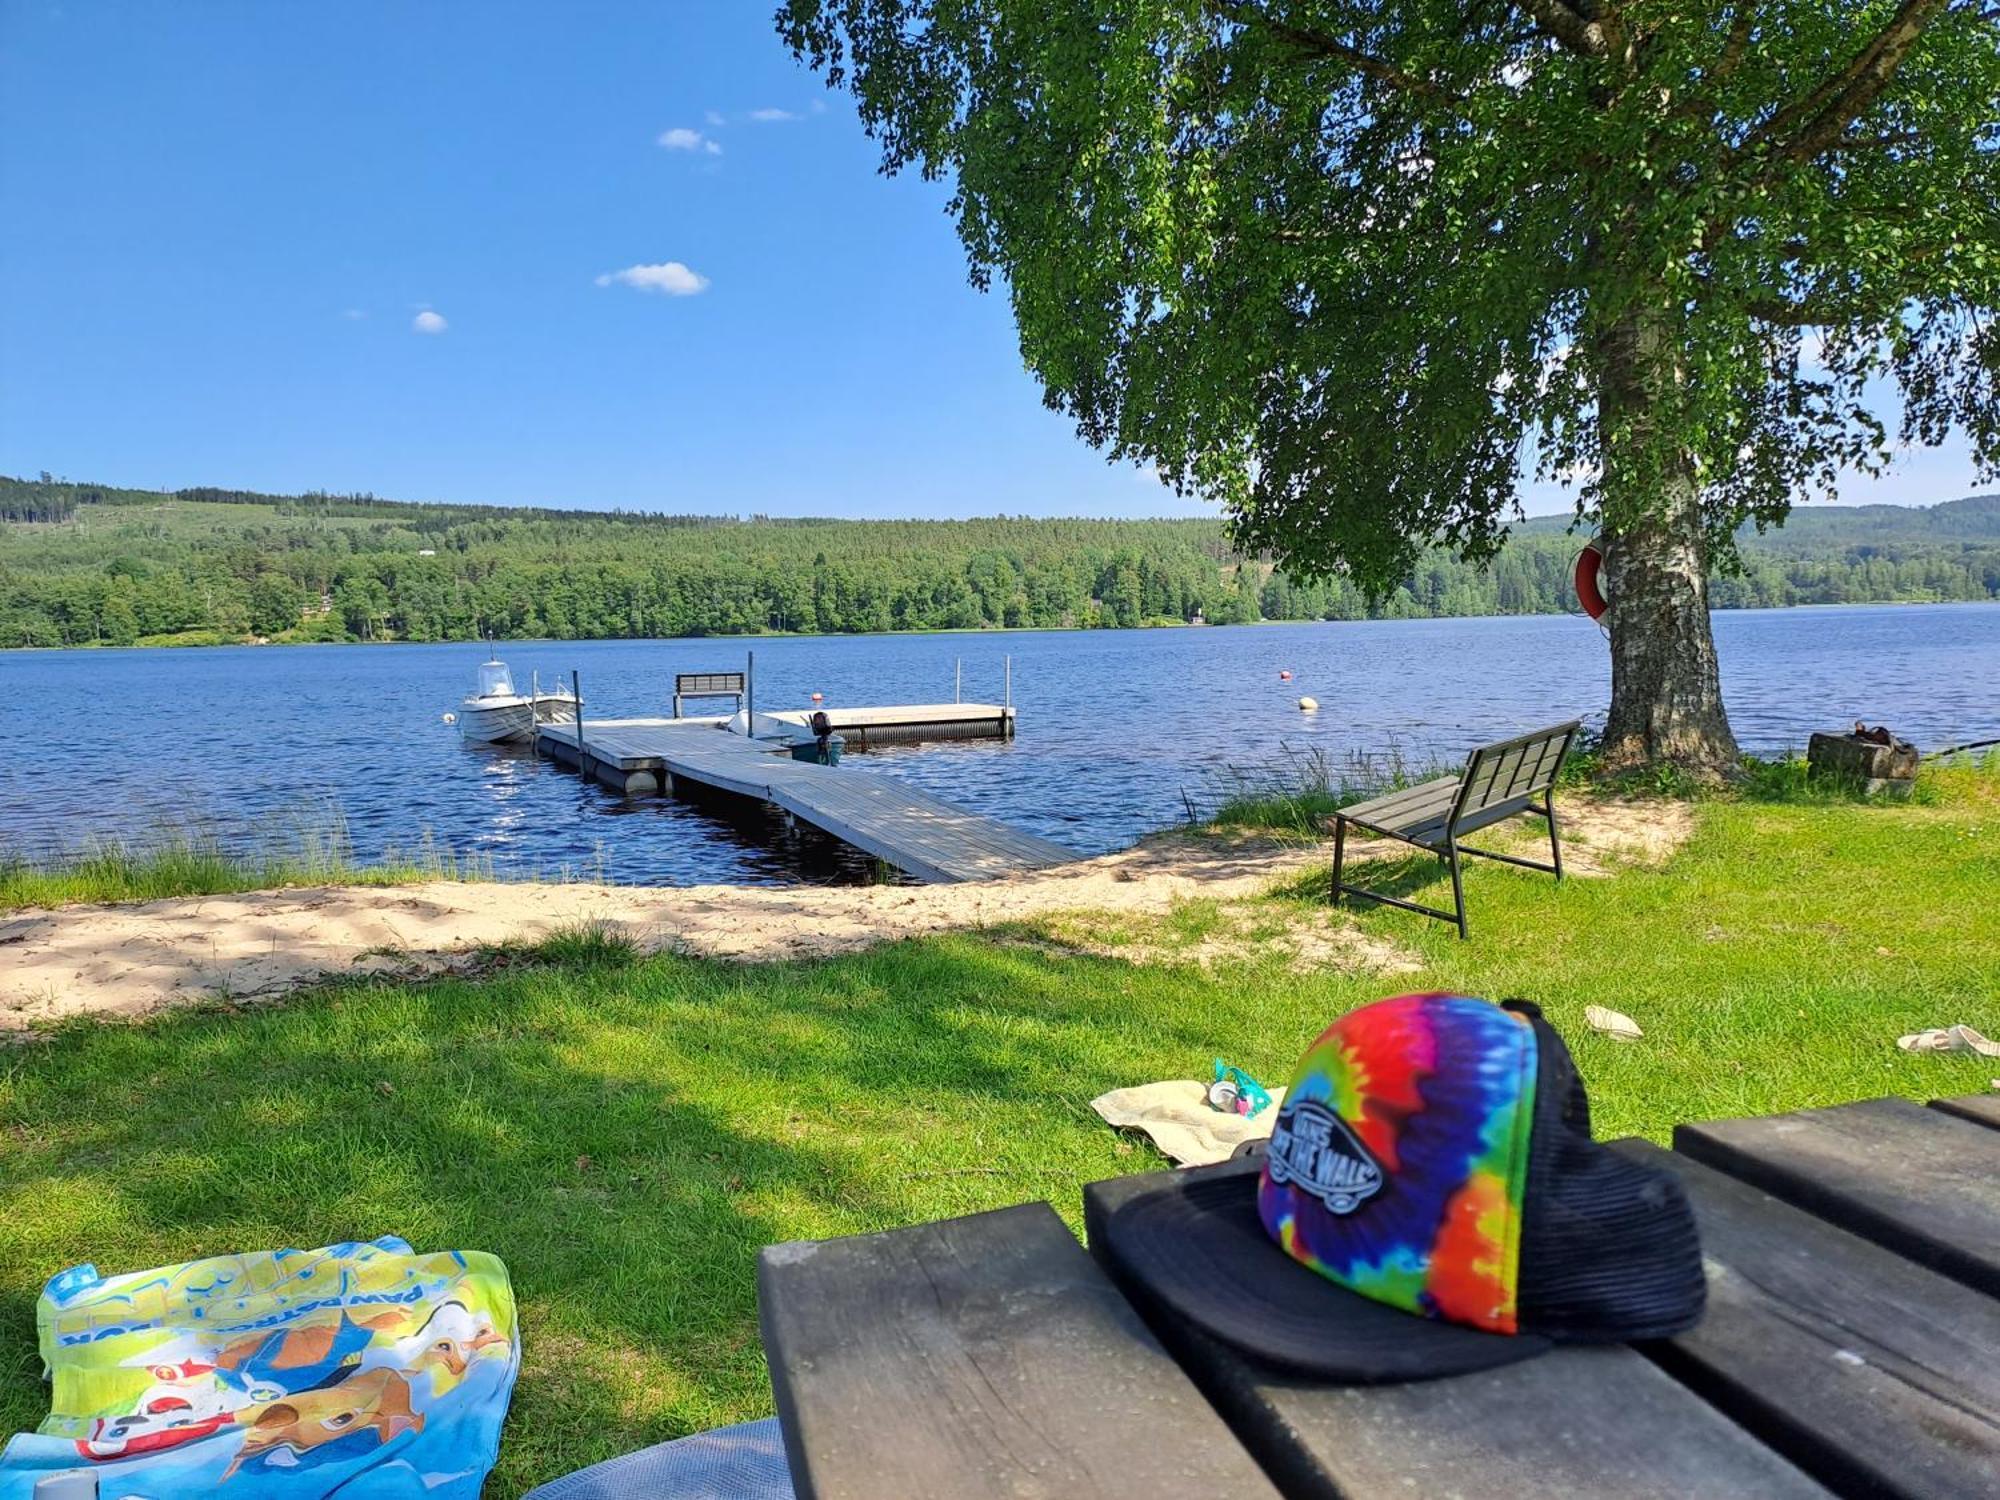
(1431, 1203)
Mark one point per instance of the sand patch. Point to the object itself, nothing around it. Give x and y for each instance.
(128, 961)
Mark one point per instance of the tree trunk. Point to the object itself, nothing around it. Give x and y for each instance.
(1666, 691)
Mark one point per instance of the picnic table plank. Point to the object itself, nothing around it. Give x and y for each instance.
(983, 1356)
(1871, 1372)
(1924, 1183)
(1981, 1109)
(1600, 1421)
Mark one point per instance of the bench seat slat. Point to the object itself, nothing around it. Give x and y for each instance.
(1920, 1181)
(1424, 799)
(983, 1356)
(1877, 1374)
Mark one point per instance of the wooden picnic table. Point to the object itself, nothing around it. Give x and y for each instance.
(1851, 1347)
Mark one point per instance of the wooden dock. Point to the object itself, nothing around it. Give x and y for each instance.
(890, 819)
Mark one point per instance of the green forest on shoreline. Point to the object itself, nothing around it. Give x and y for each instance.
(88, 565)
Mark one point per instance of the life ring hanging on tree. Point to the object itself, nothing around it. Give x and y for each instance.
(1589, 582)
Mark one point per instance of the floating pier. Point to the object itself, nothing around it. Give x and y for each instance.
(890, 819)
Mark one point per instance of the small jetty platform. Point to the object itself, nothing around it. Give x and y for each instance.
(890, 819)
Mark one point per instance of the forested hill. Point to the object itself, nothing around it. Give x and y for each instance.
(87, 564)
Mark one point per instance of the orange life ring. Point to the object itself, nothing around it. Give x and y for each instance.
(1589, 587)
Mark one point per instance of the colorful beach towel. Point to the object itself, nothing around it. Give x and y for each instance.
(355, 1370)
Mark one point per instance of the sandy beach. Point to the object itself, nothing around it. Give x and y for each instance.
(130, 961)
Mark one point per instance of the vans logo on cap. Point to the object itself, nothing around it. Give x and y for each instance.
(1312, 1148)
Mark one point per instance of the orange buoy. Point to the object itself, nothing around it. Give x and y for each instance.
(1284, 677)
(1589, 582)
(819, 697)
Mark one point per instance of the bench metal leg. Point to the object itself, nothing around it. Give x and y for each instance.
(1555, 843)
(1457, 889)
(1342, 888)
(1339, 854)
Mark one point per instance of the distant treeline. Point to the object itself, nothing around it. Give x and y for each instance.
(84, 564)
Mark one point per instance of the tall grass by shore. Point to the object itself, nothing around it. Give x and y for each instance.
(1297, 795)
(183, 862)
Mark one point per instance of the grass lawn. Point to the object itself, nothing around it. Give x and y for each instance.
(627, 1135)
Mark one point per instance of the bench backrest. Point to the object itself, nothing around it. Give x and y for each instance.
(707, 684)
(1500, 780)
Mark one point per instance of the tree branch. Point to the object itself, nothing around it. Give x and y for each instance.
(1572, 27)
(1319, 44)
(1806, 127)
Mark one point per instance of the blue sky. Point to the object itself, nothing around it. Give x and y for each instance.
(580, 255)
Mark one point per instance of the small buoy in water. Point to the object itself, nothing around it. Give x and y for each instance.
(1284, 677)
(1310, 705)
(819, 697)
(451, 718)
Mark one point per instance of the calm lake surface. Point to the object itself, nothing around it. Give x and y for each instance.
(1119, 730)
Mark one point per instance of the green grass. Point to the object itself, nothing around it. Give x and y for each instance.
(627, 1133)
(178, 863)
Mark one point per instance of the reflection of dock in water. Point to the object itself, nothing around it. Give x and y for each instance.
(898, 823)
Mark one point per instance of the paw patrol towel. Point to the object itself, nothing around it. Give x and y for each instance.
(359, 1369)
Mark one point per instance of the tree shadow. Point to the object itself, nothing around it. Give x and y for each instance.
(625, 1138)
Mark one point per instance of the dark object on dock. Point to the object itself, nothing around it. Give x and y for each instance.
(1500, 781)
(1873, 757)
(1848, 1343)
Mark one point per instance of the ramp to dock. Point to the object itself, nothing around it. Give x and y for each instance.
(890, 819)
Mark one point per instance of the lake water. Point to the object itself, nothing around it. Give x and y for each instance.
(1120, 731)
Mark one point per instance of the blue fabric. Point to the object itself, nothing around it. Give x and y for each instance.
(730, 1463)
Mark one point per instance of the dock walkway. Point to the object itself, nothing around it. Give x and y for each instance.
(890, 819)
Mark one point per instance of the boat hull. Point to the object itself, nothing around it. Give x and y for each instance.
(496, 723)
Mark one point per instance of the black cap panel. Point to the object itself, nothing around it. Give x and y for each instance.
(1609, 1248)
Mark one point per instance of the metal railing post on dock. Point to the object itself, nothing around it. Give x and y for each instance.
(576, 692)
(958, 681)
(1008, 701)
(750, 695)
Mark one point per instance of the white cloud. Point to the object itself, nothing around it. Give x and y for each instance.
(669, 278)
(429, 322)
(681, 138)
(713, 117)
(771, 116)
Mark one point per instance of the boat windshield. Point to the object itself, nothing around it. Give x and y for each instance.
(494, 681)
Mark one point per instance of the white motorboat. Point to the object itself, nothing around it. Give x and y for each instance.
(496, 713)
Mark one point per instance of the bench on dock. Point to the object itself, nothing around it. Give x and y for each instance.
(709, 685)
(1499, 781)
(1847, 1349)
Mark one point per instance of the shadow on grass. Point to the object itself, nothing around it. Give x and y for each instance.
(625, 1136)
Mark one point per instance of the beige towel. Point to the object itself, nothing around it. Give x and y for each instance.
(1175, 1116)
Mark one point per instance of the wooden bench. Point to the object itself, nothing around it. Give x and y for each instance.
(1841, 1353)
(1499, 781)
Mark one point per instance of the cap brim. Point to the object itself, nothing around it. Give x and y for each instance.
(1200, 1249)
